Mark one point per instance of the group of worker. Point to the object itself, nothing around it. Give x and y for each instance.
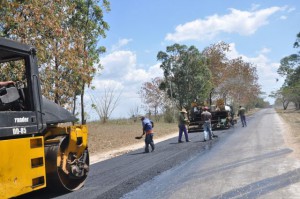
(183, 121)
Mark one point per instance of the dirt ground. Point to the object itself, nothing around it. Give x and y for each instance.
(118, 137)
(291, 118)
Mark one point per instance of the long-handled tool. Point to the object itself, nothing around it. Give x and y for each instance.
(139, 137)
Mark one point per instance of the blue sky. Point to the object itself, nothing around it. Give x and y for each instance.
(262, 32)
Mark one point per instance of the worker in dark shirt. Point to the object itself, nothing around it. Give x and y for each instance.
(242, 115)
(182, 122)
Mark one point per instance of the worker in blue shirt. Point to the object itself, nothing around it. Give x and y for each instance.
(148, 130)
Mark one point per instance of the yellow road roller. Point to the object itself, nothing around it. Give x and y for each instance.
(40, 144)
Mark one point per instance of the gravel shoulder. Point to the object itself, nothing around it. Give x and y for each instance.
(98, 157)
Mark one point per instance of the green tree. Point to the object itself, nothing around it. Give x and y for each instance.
(88, 18)
(186, 75)
(261, 103)
(290, 69)
(44, 24)
(242, 85)
(281, 97)
(234, 80)
(65, 34)
(218, 62)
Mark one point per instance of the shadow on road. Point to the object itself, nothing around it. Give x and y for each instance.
(139, 153)
(45, 193)
(262, 187)
(175, 143)
(242, 162)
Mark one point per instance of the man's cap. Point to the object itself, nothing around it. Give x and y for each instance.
(142, 117)
(205, 108)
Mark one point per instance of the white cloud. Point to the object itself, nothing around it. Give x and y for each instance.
(233, 53)
(265, 50)
(283, 17)
(120, 44)
(122, 73)
(254, 7)
(291, 9)
(137, 75)
(237, 21)
(118, 64)
(155, 71)
(100, 84)
(266, 69)
(122, 65)
(142, 75)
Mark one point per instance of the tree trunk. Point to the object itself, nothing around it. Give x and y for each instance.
(83, 121)
(297, 105)
(74, 103)
(285, 104)
(56, 81)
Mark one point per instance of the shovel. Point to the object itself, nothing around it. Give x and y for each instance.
(139, 137)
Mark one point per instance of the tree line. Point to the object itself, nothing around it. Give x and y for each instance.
(289, 69)
(65, 34)
(193, 76)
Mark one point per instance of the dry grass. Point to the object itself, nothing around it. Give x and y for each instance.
(292, 119)
(117, 134)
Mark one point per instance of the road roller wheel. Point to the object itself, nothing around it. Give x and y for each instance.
(76, 169)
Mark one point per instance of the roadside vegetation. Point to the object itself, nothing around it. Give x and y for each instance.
(288, 96)
(289, 68)
(291, 116)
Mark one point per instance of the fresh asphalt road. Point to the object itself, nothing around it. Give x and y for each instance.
(249, 162)
(252, 162)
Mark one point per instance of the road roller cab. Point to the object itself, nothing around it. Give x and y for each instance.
(40, 145)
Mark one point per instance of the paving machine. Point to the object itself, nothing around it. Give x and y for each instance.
(221, 118)
(39, 143)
